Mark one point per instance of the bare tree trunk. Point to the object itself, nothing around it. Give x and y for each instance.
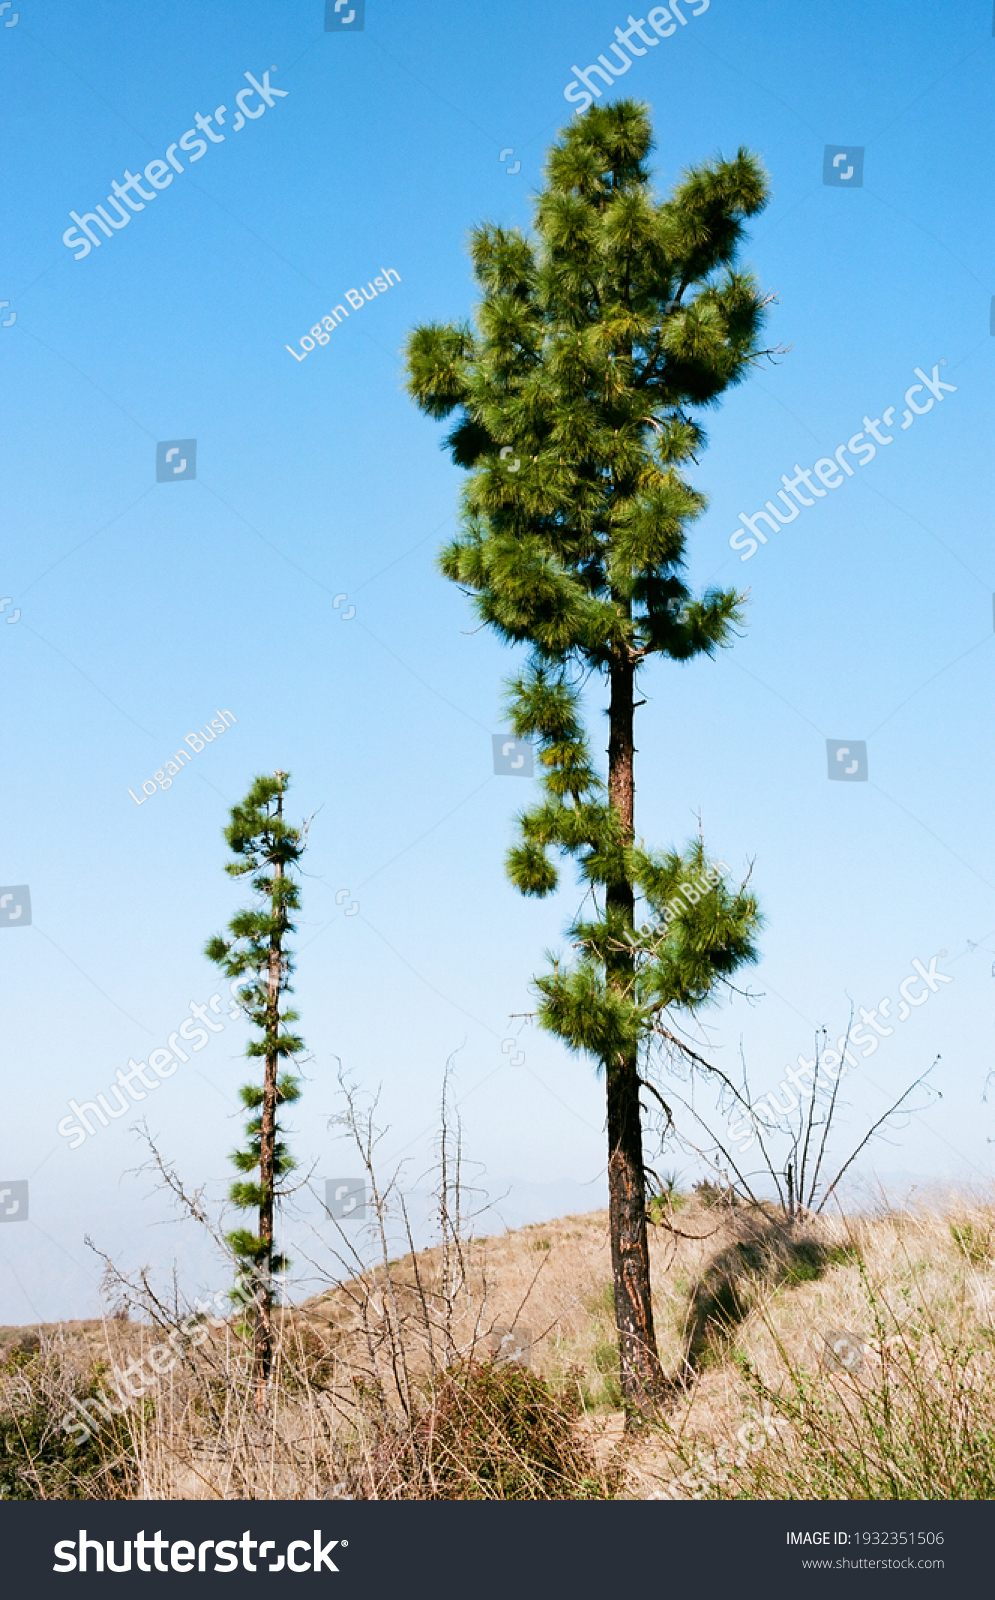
(640, 1370)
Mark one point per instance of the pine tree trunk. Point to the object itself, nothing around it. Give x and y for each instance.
(263, 1339)
(640, 1371)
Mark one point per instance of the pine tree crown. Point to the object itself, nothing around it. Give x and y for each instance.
(591, 342)
(570, 399)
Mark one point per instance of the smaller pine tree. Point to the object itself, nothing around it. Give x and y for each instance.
(264, 845)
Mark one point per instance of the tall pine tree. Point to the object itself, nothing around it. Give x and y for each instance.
(264, 845)
(573, 397)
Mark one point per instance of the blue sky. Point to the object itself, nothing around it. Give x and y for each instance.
(146, 608)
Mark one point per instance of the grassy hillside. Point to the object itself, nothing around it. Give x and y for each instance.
(809, 1360)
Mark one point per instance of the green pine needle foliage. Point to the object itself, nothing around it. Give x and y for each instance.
(255, 952)
(596, 345)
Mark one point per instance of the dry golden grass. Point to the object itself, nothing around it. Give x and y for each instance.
(371, 1374)
(911, 1414)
